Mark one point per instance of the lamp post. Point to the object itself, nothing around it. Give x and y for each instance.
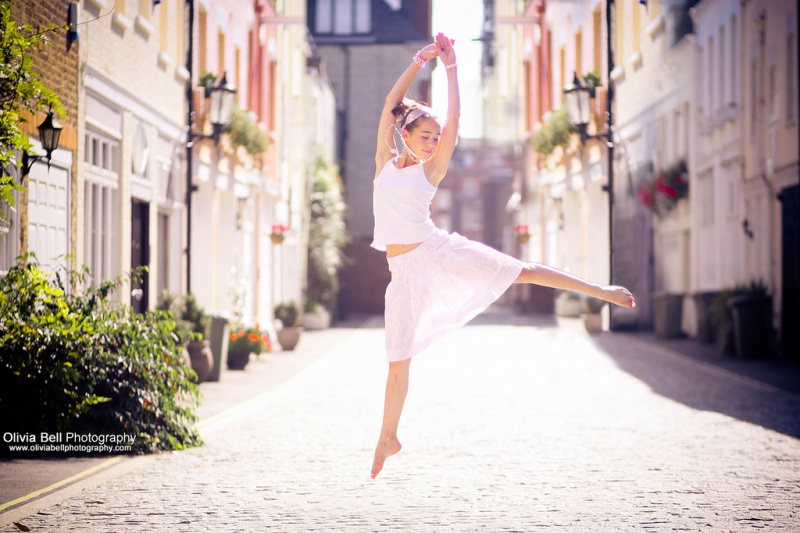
(577, 97)
(49, 134)
(221, 98)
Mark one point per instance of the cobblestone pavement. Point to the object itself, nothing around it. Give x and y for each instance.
(507, 427)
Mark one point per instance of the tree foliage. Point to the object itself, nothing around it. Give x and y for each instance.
(20, 90)
(556, 131)
(327, 234)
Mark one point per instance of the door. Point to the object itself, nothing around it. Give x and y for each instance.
(140, 253)
(790, 313)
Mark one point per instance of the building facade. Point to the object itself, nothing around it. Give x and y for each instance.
(45, 219)
(366, 48)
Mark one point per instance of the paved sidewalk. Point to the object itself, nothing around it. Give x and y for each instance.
(507, 427)
(780, 372)
(28, 479)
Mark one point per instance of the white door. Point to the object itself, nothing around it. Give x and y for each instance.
(48, 213)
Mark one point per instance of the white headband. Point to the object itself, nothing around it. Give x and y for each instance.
(414, 114)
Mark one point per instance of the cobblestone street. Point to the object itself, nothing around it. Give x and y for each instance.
(507, 427)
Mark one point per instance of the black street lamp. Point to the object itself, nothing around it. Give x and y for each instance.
(221, 97)
(49, 133)
(577, 97)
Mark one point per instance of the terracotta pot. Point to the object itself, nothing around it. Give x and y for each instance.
(289, 337)
(593, 322)
(202, 358)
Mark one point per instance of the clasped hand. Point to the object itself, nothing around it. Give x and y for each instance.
(442, 47)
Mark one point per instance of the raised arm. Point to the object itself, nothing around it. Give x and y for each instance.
(436, 166)
(386, 143)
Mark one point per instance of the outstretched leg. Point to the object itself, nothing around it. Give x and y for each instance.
(557, 279)
(396, 390)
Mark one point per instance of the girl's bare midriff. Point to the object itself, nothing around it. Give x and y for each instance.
(399, 249)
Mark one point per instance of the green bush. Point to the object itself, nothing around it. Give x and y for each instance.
(556, 131)
(79, 362)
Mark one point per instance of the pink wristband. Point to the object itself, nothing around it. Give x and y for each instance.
(419, 60)
(451, 65)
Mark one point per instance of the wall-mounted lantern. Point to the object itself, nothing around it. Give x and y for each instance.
(49, 134)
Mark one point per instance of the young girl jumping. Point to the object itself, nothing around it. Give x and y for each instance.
(440, 281)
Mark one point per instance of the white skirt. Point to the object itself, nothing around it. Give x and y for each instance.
(438, 287)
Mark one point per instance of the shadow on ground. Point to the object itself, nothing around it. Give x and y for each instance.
(705, 388)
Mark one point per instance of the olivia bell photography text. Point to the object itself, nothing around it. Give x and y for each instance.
(67, 442)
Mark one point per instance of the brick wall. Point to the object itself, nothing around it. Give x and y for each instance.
(57, 68)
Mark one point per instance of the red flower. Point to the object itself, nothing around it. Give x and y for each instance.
(233, 336)
(253, 337)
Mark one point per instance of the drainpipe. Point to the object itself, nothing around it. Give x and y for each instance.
(189, 121)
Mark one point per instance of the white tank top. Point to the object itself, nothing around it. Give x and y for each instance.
(401, 203)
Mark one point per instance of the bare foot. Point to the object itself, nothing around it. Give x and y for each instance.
(620, 296)
(384, 449)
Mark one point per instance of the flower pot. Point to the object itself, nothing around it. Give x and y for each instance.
(706, 330)
(667, 314)
(201, 357)
(238, 360)
(752, 326)
(593, 322)
(289, 337)
(218, 338)
(319, 319)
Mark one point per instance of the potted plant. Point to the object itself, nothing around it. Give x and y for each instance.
(243, 342)
(568, 303)
(592, 315)
(751, 310)
(315, 316)
(289, 332)
(199, 349)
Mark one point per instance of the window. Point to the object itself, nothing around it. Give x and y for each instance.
(220, 52)
(619, 23)
(9, 234)
(163, 28)
(578, 52)
(791, 73)
(101, 206)
(144, 8)
(597, 40)
(753, 98)
(734, 63)
(343, 17)
(202, 19)
(636, 15)
(710, 100)
(179, 23)
(722, 81)
(237, 67)
(773, 97)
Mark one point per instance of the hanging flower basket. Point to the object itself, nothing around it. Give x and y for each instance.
(523, 235)
(662, 193)
(278, 231)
